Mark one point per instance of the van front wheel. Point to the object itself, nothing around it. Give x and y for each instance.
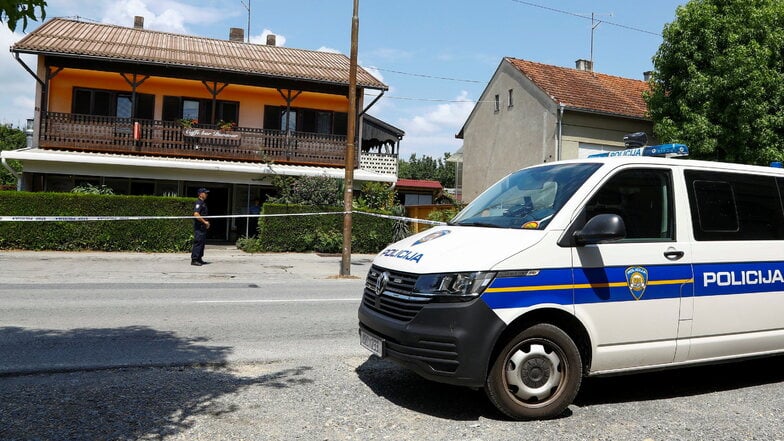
(536, 375)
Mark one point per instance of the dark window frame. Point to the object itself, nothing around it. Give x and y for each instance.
(306, 119)
(757, 205)
(145, 102)
(624, 199)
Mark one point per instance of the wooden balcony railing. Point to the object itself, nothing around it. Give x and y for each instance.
(67, 131)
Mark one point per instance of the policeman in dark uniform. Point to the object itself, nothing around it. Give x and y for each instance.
(200, 227)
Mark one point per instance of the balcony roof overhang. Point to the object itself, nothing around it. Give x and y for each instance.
(194, 73)
(103, 47)
(130, 166)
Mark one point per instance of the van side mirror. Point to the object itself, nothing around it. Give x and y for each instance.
(601, 228)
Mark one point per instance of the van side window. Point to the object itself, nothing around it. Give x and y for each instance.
(734, 206)
(643, 199)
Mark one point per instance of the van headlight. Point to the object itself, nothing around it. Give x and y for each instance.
(454, 287)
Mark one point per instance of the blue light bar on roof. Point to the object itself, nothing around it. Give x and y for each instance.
(663, 150)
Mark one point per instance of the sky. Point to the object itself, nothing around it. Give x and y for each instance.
(436, 56)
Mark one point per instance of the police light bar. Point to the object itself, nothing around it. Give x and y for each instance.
(663, 150)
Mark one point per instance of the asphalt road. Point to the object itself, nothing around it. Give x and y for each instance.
(139, 346)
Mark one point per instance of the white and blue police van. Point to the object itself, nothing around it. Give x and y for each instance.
(588, 267)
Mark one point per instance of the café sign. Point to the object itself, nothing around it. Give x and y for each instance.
(210, 133)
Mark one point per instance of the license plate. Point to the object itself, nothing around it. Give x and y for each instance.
(371, 343)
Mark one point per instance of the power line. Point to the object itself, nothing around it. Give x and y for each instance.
(431, 100)
(424, 75)
(631, 28)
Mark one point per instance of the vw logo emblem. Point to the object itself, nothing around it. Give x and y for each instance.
(381, 282)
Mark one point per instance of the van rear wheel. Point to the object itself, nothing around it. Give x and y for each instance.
(536, 375)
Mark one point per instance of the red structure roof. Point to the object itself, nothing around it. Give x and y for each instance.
(418, 184)
(587, 90)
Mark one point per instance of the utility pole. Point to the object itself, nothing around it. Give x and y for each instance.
(348, 192)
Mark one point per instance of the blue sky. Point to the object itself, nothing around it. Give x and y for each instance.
(436, 56)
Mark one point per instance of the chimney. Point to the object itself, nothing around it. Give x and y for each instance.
(271, 40)
(138, 22)
(236, 34)
(647, 75)
(584, 65)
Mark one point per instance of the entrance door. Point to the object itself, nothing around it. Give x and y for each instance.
(629, 292)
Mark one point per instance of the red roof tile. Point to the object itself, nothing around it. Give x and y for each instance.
(70, 38)
(586, 90)
(418, 183)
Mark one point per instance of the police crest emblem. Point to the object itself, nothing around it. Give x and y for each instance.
(637, 280)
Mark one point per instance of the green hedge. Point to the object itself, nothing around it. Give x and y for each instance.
(323, 233)
(137, 235)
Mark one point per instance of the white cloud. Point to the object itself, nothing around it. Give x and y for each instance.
(432, 132)
(167, 16)
(328, 49)
(280, 40)
(18, 97)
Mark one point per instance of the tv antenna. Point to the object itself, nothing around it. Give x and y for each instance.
(594, 24)
(248, 8)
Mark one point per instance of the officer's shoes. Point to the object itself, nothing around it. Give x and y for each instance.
(203, 262)
(196, 263)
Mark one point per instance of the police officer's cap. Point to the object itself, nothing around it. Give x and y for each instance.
(202, 190)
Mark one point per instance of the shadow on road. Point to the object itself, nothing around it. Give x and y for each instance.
(166, 383)
(408, 390)
(684, 382)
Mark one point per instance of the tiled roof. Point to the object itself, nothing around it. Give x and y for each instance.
(418, 183)
(72, 38)
(586, 90)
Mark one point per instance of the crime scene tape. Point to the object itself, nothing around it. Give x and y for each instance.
(227, 216)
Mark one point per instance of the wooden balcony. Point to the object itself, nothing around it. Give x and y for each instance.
(66, 131)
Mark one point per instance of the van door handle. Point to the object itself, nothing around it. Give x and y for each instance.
(673, 254)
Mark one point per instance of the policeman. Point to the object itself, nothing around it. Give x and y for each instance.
(200, 227)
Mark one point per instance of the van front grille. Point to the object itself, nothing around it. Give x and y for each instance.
(391, 293)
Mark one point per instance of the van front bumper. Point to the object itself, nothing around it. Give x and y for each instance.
(445, 342)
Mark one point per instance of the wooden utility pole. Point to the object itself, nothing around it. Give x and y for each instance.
(348, 193)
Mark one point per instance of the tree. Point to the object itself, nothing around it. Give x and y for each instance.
(429, 169)
(10, 139)
(13, 11)
(718, 81)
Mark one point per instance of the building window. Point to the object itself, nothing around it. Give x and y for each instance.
(497, 103)
(511, 101)
(111, 103)
(305, 120)
(175, 107)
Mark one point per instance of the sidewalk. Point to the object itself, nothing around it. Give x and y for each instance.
(226, 263)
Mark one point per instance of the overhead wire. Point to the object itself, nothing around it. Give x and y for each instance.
(434, 77)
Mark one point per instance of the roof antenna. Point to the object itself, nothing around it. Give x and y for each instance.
(248, 8)
(594, 24)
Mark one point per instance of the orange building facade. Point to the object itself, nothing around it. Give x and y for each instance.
(146, 112)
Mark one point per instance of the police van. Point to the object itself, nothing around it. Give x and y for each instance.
(605, 265)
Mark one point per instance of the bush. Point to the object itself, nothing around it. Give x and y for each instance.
(159, 235)
(321, 233)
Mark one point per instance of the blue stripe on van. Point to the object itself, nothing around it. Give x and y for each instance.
(595, 285)
(584, 285)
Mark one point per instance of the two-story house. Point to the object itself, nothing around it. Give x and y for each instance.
(531, 113)
(155, 113)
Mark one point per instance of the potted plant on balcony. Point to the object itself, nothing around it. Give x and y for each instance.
(226, 126)
(187, 123)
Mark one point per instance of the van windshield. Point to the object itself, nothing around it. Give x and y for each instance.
(526, 199)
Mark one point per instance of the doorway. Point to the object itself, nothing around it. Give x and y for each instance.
(217, 205)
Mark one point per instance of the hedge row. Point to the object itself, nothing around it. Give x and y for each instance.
(171, 235)
(321, 233)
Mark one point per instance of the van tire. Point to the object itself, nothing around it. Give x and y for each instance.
(536, 375)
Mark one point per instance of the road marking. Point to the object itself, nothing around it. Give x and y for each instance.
(279, 300)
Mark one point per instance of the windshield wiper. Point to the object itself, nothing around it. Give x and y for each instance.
(478, 224)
